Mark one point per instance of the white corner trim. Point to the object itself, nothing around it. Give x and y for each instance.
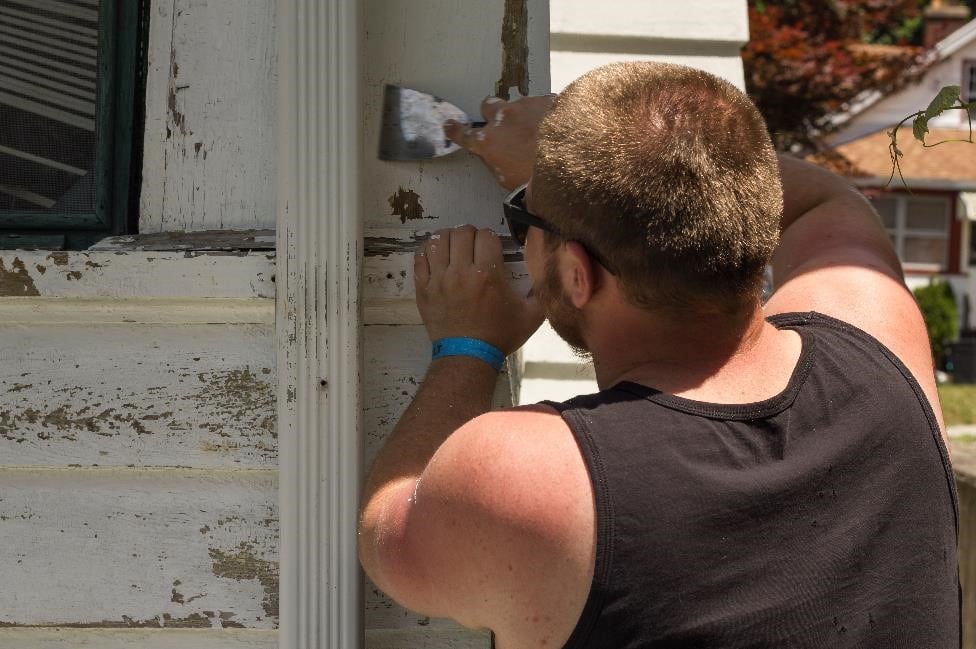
(319, 254)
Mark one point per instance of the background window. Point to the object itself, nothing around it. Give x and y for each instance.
(67, 102)
(969, 80)
(919, 229)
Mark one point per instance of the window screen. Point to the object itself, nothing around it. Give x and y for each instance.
(48, 78)
(67, 105)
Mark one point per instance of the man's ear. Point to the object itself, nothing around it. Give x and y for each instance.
(579, 274)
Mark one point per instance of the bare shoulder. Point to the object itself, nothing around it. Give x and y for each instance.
(849, 272)
(502, 520)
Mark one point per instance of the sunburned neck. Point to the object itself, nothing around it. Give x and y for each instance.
(707, 357)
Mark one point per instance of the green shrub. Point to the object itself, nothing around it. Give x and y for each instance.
(938, 306)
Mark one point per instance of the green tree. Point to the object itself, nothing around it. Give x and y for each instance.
(938, 305)
(806, 61)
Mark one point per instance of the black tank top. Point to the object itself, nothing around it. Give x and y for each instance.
(823, 517)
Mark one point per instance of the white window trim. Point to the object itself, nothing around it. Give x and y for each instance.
(319, 246)
(901, 231)
(969, 80)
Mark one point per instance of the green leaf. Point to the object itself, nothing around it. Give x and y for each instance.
(920, 126)
(943, 101)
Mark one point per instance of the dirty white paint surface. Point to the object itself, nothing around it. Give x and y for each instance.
(460, 59)
(118, 394)
(142, 274)
(210, 138)
(72, 638)
(138, 548)
(700, 20)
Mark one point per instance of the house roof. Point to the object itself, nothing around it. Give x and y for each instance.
(939, 52)
(956, 40)
(950, 166)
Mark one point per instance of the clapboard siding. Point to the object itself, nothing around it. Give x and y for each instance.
(211, 116)
(462, 51)
(61, 638)
(138, 548)
(137, 274)
(122, 394)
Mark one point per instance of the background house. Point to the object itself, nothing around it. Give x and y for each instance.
(930, 220)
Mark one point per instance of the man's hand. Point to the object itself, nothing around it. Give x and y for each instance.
(463, 290)
(506, 144)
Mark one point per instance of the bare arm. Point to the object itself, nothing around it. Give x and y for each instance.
(462, 290)
(835, 257)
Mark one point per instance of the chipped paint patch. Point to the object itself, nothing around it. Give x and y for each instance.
(58, 258)
(16, 281)
(243, 564)
(405, 203)
(515, 50)
(238, 396)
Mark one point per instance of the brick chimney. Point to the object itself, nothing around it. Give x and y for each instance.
(942, 18)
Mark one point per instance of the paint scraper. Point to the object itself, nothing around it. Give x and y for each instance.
(413, 125)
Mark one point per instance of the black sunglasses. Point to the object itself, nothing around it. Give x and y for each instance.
(520, 220)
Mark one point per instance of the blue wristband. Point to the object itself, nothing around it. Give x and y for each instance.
(472, 347)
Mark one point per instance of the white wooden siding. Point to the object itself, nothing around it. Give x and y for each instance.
(75, 638)
(452, 48)
(704, 34)
(210, 140)
(138, 485)
(136, 548)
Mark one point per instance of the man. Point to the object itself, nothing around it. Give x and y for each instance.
(750, 475)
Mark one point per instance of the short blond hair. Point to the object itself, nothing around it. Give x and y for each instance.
(669, 173)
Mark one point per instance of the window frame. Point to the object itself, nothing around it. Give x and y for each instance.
(968, 80)
(122, 30)
(900, 231)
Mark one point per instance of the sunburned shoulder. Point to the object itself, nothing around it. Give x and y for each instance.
(519, 464)
(500, 530)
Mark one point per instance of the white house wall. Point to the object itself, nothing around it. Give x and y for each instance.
(705, 34)
(139, 483)
(889, 111)
(454, 49)
(211, 97)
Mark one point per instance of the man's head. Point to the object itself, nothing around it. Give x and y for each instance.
(668, 173)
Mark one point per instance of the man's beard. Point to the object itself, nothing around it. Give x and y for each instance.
(564, 318)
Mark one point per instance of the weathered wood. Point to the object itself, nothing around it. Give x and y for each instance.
(205, 240)
(199, 395)
(388, 292)
(411, 44)
(211, 116)
(138, 274)
(61, 638)
(174, 311)
(127, 548)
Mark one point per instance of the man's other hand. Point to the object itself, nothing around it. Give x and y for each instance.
(463, 289)
(506, 144)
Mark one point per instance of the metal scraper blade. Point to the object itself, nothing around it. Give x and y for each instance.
(413, 125)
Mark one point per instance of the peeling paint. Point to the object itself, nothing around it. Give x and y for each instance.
(16, 281)
(243, 564)
(177, 118)
(192, 621)
(58, 258)
(405, 203)
(238, 397)
(515, 50)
